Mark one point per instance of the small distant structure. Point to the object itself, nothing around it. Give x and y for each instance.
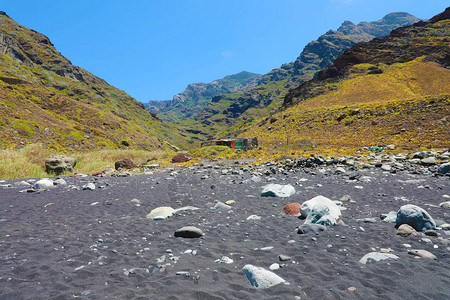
(237, 143)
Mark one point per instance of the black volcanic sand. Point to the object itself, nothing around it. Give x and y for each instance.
(73, 249)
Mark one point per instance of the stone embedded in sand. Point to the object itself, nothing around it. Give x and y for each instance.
(59, 164)
(221, 206)
(262, 278)
(189, 232)
(423, 254)
(320, 210)
(181, 158)
(390, 217)
(59, 181)
(406, 230)
(163, 212)
(89, 186)
(278, 190)
(415, 216)
(253, 218)
(445, 204)
(377, 256)
(311, 228)
(44, 183)
(292, 209)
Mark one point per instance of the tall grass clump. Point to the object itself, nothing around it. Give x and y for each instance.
(25, 162)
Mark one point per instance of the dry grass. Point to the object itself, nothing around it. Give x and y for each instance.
(30, 161)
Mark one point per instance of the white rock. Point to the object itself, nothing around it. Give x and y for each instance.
(44, 183)
(162, 211)
(274, 266)
(323, 203)
(224, 260)
(60, 181)
(377, 256)
(262, 278)
(253, 217)
(278, 190)
(89, 186)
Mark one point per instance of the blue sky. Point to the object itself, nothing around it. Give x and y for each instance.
(154, 49)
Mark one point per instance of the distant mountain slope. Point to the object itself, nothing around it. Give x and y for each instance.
(198, 95)
(233, 110)
(44, 98)
(390, 90)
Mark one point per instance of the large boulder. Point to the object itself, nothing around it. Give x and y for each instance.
(262, 278)
(181, 158)
(58, 164)
(278, 190)
(124, 164)
(415, 216)
(444, 169)
(320, 210)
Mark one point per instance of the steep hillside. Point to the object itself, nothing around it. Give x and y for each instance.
(228, 112)
(391, 90)
(44, 98)
(198, 95)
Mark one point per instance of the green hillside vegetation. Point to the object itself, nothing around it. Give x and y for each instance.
(229, 112)
(45, 99)
(392, 90)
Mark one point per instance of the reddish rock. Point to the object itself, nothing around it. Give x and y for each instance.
(292, 208)
(182, 157)
(125, 164)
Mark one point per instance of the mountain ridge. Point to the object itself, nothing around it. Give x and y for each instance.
(231, 111)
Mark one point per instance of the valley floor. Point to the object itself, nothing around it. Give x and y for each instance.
(69, 243)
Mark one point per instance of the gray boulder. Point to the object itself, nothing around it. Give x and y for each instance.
(416, 217)
(59, 164)
(444, 169)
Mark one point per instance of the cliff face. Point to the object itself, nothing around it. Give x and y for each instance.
(198, 95)
(44, 98)
(243, 107)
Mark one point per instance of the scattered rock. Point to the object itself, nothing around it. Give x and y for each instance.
(428, 161)
(189, 232)
(415, 216)
(377, 256)
(88, 186)
(406, 230)
(162, 212)
(445, 204)
(444, 168)
(253, 218)
(124, 164)
(44, 183)
(292, 209)
(221, 206)
(320, 210)
(262, 278)
(230, 202)
(278, 190)
(311, 228)
(390, 217)
(422, 253)
(59, 164)
(224, 260)
(181, 158)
